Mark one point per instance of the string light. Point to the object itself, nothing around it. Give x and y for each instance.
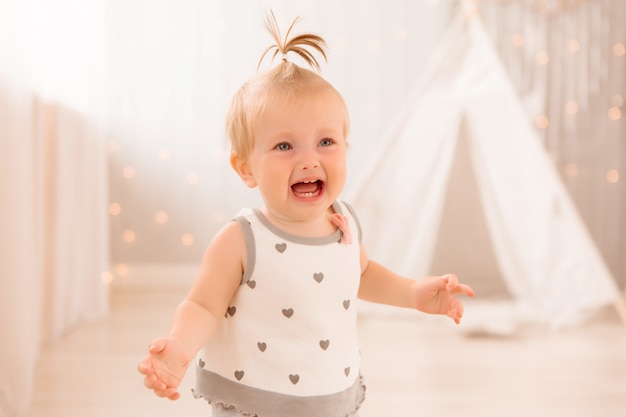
(573, 46)
(615, 113)
(129, 236)
(115, 209)
(571, 170)
(612, 176)
(542, 58)
(121, 270)
(571, 107)
(161, 217)
(106, 277)
(128, 172)
(517, 40)
(187, 239)
(542, 121)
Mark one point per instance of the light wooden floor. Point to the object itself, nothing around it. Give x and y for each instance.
(414, 366)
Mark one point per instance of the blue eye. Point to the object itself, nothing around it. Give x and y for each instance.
(284, 146)
(326, 142)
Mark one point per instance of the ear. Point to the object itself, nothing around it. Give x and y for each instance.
(242, 168)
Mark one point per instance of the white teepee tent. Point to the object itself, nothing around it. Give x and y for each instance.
(464, 103)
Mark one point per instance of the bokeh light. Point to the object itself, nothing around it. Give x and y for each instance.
(571, 107)
(106, 277)
(542, 121)
(542, 58)
(129, 236)
(161, 217)
(517, 40)
(571, 170)
(115, 209)
(573, 46)
(615, 113)
(187, 239)
(128, 172)
(121, 270)
(612, 176)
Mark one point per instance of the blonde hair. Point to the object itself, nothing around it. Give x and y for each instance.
(285, 81)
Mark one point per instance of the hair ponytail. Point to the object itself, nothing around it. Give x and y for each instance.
(301, 44)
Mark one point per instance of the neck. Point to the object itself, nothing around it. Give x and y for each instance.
(315, 226)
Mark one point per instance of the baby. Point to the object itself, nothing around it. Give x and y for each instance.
(274, 302)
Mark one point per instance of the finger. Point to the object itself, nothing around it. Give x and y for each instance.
(144, 367)
(156, 346)
(456, 310)
(167, 392)
(160, 393)
(455, 315)
(460, 308)
(463, 289)
(172, 394)
(152, 382)
(466, 290)
(436, 283)
(452, 281)
(161, 390)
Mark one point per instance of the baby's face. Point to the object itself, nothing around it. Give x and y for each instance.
(299, 156)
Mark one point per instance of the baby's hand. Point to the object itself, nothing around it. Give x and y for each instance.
(436, 295)
(164, 367)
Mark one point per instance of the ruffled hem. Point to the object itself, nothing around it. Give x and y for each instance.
(362, 389)
(233, 407)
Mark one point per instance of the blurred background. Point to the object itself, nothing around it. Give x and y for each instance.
(114, 167)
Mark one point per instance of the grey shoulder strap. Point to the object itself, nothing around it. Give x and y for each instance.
(246, 228)
(356, 219)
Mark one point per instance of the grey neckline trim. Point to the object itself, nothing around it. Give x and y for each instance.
(323, 240)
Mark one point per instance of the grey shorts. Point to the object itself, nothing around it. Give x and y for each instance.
(220, 411)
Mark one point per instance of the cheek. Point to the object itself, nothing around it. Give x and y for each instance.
(272, 171)
(339, 168)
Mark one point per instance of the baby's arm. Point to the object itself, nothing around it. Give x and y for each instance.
(434, 295)
(198, 315)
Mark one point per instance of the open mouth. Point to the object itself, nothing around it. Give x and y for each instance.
(307, 189)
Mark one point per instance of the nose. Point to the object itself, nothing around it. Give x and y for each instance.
(309, 160)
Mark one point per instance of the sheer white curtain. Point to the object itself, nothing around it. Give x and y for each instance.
(54, 229)
(20, 250)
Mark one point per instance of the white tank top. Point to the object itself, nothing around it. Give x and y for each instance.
(290, 329)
